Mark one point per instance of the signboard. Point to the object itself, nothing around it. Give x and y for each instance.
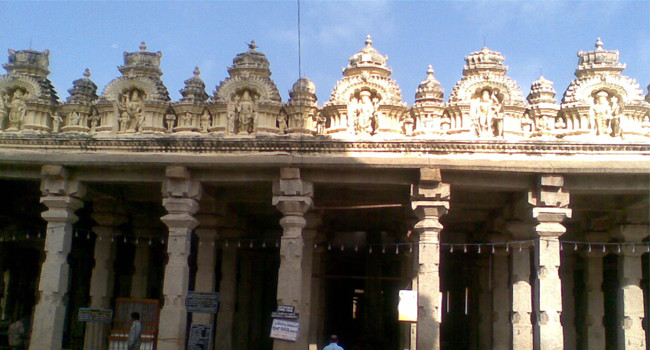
(200, 337)
(290, 315)
(286, 308)
(285, 311)
(284, 329)
(408, 305)
(95, 315)
(202, 302)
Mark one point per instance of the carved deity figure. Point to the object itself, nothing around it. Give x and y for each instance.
(170, 119)
(320, 120)
(94, 120)
(364, 114)
(486, 115)
(615, 121)
(17, 109)
(527, 124)
(600, 113)
(187, 119)
(408, 124)
(56, 122)
(282, 122)
(205, 121)
(74, 118)
(4, 109)
(132, 106)
(245, 111)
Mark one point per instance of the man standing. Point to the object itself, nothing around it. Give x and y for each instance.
(334, 340)
(135, 335)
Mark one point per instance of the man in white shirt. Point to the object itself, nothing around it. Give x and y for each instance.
(135, 334)
(334, 340)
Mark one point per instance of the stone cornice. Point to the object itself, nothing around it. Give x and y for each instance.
(309, 145)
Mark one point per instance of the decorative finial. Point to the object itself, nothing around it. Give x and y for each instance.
(599, 44)
(143, 46)
(368, 40)
(430, 71)
(196, 72)
(541, 72)
(252, 46)
(87, 73)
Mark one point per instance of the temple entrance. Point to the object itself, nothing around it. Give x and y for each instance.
(361, 295)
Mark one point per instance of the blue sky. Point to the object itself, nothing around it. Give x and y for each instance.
(413, 34)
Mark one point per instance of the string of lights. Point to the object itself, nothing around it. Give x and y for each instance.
(396, 247)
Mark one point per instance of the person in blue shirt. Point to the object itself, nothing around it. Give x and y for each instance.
(334, 343)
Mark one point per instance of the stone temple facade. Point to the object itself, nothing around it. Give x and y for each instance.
(520, 222)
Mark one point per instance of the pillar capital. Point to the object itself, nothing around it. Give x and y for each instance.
(291, 195)
(631, 233)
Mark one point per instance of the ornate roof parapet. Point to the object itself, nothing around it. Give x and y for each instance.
(366, 101)
(27, 98)
(428, 108)
(194, 90)
(599, 61)
(483, 61)
(83, 90)
(250, 63)
(77, 113)
(539, 119)
(248, 102)
(141, 63)
(601, 101)
(191, 113)
(485, 102)
(430, 89)
(137, 101)
(302, 115)
(368, 60)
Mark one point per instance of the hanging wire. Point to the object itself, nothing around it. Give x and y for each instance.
(299, 45)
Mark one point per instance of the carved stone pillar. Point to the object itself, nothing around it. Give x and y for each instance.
(484, 305)
(293, 197)
(206, 258)
(101, 282)
(551, 208)
(227, 294)
(630, 306)
(140, 263)
(316, 323)
(568, 316)
(430, 201)
(309, 233)
(62, 197)
(593, 332)
(521, 293)
(180, 198)
(500, 301)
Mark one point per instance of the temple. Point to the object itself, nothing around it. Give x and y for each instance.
(485, 220)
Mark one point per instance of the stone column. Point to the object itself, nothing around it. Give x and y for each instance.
(630, 306)
(593, 332)
(62, 197)
(293, 197)
(317, 295)
(309, 233)
(500, 301)
(101, 281)
(140, 264)
(551, 208)
(521, 292)
(485, 304)
(206, 258)
(568, 316)
(180, 198)
(227, 294)
(429, 200)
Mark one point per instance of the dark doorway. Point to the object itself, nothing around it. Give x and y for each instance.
(361, 297)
